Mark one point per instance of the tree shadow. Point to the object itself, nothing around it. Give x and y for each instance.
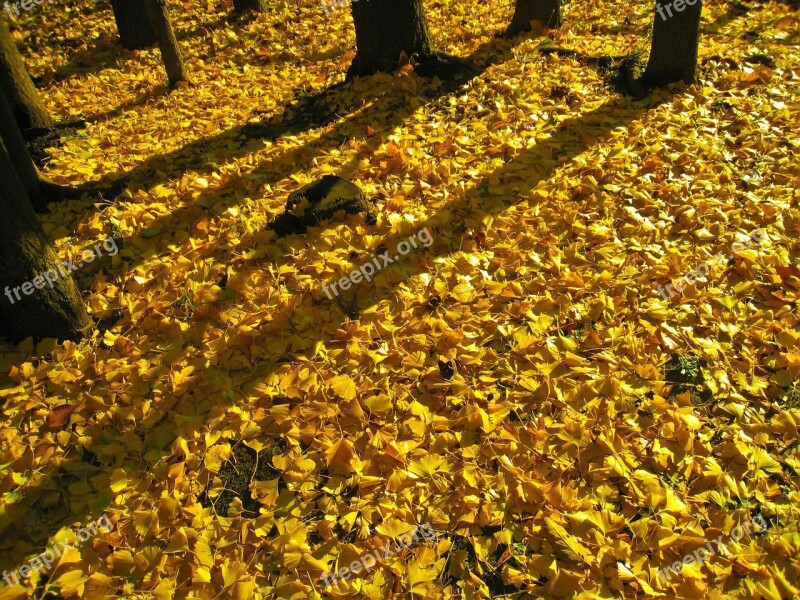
(522, 173)
(311, 111)
(736, 10)
(314, 110)
(572, 137)
(141, 100)
(103, 53)
(224, 20)
(46, 508)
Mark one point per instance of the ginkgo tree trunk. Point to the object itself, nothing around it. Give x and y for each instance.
(676, 40)
(546, 12)
(18, 152)
(38, 297)
(133, 24)
(387, 30)
(167, 43)
(38, 189)
(16, 83)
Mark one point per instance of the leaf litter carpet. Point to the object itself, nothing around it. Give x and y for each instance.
(521, 385)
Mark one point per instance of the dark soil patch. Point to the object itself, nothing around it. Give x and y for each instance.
(790, 398)
(684, 369)
(244, 466)
(685, 372)
(490, 575)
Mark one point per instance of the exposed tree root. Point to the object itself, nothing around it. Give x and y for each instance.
(622, 71)
(439, 64)
(53, 192)
(447, 68)
(39, 139)
(628, 81)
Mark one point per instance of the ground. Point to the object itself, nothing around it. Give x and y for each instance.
(520, 384)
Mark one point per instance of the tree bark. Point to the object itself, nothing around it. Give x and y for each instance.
(243, 6)
(40, 191)
(18, 87)
(133, 25)
(386, 30)
(20, 157)
(167, 43)
(26, 256)
(547, 12)
(676, 39)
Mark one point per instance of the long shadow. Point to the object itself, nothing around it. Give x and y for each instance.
(115, 112)
(571, 137)
(309, 112)
(522, 173)
(105, 52)
(204, 205)
(736, 10)
(312, 111)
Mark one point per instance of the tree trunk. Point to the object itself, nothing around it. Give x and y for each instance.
(170, 53)
(18, 87)
(547, 12)
(39, 298)
(676, 38)
(18, 152)
(386, 30)
(135, 30)
(40, 191)
(243, 6)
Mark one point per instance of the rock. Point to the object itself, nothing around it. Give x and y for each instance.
(325, 197)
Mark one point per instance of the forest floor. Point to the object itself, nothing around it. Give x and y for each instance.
(520, 384)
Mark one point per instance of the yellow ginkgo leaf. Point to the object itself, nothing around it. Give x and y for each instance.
(344, 387)
(216, 456)
(427, 466)
(340, 455)
(417, 576)
(181, 380)
(394, 528)
(119, 480)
